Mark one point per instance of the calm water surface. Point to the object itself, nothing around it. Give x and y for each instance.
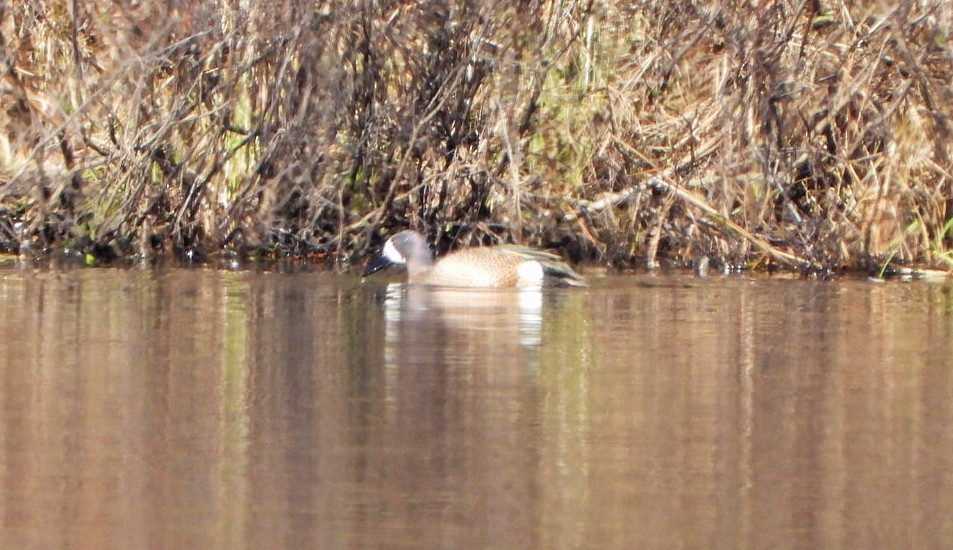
(215, 409)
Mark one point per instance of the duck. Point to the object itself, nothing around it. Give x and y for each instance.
(499, 266)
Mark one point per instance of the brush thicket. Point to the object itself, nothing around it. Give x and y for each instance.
(795, 134)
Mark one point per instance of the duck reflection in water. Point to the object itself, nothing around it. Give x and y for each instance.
(413, 309)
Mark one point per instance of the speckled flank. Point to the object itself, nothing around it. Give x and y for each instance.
(474, 267)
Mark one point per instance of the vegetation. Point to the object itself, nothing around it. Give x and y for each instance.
(789, 133)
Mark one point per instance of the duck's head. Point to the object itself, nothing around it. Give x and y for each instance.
(405, 248)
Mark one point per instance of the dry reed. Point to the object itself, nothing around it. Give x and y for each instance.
(793, 134)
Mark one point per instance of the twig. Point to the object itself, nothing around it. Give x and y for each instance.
(688, 197)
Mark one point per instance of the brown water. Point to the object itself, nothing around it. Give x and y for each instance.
(214, 409)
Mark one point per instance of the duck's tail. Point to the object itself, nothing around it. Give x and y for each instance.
(556, 271)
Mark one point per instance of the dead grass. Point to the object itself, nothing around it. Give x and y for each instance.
(778, 134)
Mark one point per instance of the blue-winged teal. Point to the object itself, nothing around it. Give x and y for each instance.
(500, 266)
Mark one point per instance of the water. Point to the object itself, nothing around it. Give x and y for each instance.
(216, 409)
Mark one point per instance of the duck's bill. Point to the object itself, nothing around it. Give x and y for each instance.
(377, 265)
